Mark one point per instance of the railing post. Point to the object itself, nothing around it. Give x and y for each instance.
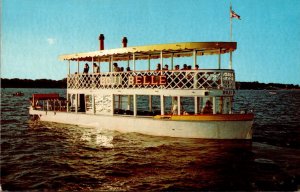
(214, 105)
(134, 105)
(179, 105)
(162, 105)
(196, 104)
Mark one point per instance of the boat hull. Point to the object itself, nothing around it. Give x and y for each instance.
(201, 128)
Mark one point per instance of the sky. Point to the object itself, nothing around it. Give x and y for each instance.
(35, 32)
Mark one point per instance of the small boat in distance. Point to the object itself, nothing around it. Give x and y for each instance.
(18, 94)
(191, 102)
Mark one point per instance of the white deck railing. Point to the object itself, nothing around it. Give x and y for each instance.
(181, 79)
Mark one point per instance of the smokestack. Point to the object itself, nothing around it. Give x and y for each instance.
(101, 39)
(124, 41)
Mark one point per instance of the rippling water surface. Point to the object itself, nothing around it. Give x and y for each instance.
(49, 156)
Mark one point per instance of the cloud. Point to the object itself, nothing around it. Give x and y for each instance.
(51, 41)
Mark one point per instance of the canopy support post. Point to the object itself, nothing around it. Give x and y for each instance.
(195, 57)
(69, 67)
(161, 59)
(149, 63)
(93, 64)
(219, 60)
(78, 66)
(230, 60)
(172, 61)
(133, 59)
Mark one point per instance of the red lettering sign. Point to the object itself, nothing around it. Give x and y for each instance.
(147, 80)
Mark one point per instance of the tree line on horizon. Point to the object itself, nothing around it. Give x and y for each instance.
(48, 83)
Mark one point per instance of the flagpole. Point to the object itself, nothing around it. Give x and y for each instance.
(230, 22)
(230, 58)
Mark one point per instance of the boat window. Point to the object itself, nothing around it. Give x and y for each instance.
(170, 105)
(187, 105)
(145, 105)
(123, 104)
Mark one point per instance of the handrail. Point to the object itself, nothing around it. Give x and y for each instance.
(167, 79)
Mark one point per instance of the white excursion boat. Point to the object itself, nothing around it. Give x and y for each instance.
(190, 103)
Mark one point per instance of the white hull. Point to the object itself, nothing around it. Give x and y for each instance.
(157, 127)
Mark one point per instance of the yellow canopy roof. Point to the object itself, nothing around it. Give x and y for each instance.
(154, 51)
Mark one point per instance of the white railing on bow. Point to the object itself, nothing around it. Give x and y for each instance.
(181, 79)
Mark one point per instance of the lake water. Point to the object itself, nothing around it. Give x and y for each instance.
(48, 156)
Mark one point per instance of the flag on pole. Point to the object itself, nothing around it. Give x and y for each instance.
(234, 15)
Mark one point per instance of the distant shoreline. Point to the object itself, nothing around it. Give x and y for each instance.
(48, 83)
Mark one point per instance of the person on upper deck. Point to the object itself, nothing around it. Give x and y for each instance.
(196, 67)
(158, 67)
(116, 68)
(121, 69)
(86, 68)
(96, 68)
(184, 67)
(166, 67)
(128, 69)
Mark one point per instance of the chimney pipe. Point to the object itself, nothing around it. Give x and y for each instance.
(101, 39)
(124, 41)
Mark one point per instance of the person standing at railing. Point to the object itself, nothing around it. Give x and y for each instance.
(166, 67)
(96, 68)
(86, 68)
(116, 68)
(185, 67)
(196, 77)
(158, 67)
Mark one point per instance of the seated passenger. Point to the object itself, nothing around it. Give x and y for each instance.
(207, 109)
(196, 67)
(128, 69)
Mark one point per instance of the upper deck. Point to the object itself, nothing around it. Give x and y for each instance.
(165, 79)
(217, 78)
